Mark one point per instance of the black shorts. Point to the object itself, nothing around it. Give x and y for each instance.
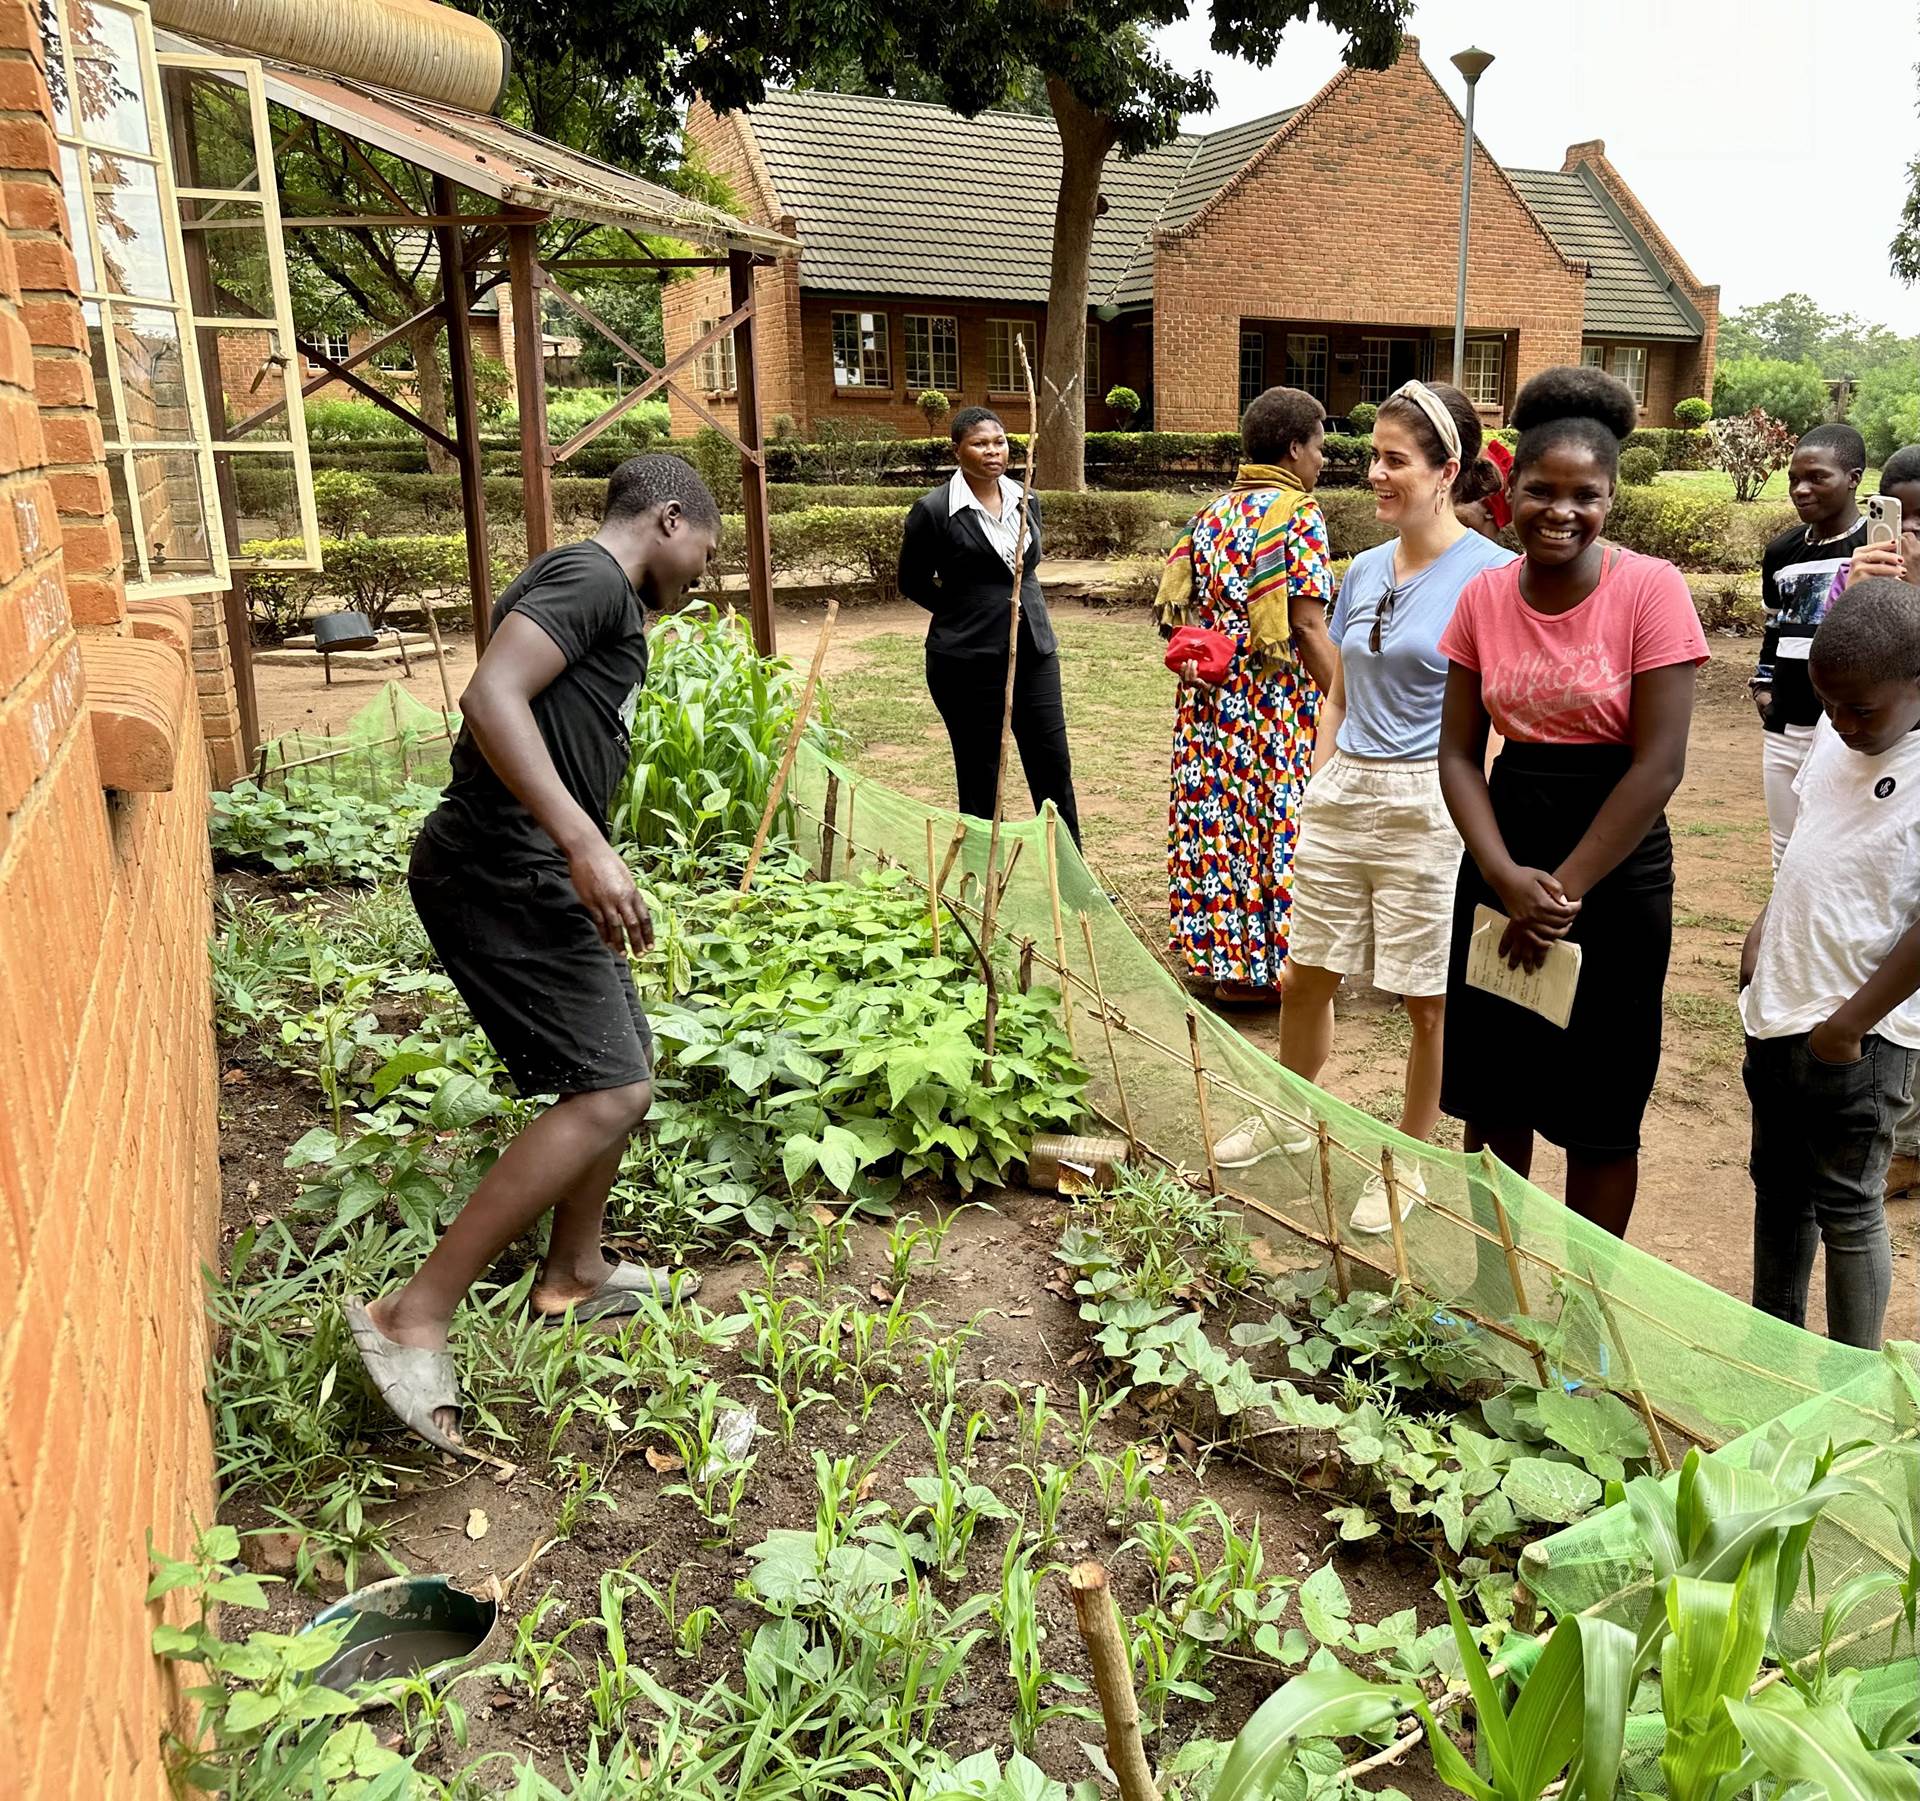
(557, 1005)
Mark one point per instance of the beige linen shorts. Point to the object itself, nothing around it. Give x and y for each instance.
(1373, 874)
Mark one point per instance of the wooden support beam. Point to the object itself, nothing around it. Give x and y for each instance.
(457, 301)
(384, 221)
(530, 387)
(380, 398)
(753, 462)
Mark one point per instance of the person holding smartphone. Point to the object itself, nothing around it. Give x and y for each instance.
(1796, 587)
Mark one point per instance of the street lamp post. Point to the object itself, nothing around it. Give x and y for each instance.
(1472, 64)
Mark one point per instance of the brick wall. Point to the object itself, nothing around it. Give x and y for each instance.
(108, 1159)
(1358, 196)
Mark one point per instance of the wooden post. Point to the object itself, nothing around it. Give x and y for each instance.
(1059, 934)
(953, 850)
(457, 294)
(1488, 1168)
(440, 658)
(1006, 875)
(1398, 1227)
(524, 284)
(826, 825)
(1099, 1623)
(1200, 1093)
(1113, 1054)
(1639, 1393)
(933, 890)
(853, 791)
(1342, 1282)
(753, 468)
(800, 715)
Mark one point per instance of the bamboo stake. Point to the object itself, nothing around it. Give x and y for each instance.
(1394, 1221)
(1106, 1025)
(439, 656)
(953, 850)
(1639, 1393)
(1341, 1283)
(1026, 965)
(1059, 934)
(853, 790)
(992, 904)
(933, 891)
(826, 826)
(1099, 1623)
(1006, 875)
(1489, 1164)
(793, 746)
(1200, 1090)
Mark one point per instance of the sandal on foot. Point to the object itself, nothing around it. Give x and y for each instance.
(623, 1291)
(414, 1382)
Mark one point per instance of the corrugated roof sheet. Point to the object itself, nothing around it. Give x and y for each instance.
(900, 197)
(1625, 297)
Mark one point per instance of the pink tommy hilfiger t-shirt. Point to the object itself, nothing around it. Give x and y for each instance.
(1567, 678)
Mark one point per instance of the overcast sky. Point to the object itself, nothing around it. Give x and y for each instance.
(1770, 138)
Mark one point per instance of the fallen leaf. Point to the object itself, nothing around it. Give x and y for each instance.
(880, 1292)
(503, 1473)
(867, 1483)
(500, 1700)
(253, 1189)
(663, 1462)
(274, 1552)
(1189, 1448)
(824, 1216)
(478, 1525)
(1083, 1355)
(1019, 1312)
(234, 1077)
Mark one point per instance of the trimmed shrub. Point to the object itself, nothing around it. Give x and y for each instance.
(1793, 393)
(934, 407)
(346, 503)
(718, 463)
(276, 598)
(348, 422)
(1124, 403)
(1351, 525)
(1695, 531)
(368, 575)
(1691, 413)
(1362, 415)
(1638, 467)
(1728, 603)
(1886, 408)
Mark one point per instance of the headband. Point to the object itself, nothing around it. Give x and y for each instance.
(1431, 404)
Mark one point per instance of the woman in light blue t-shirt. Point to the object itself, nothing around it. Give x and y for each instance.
(1377, 854)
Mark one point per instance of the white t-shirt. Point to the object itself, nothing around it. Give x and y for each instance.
(1847, 891)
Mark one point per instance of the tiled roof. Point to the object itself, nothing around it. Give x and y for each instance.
(899, 197)
(1627, 294)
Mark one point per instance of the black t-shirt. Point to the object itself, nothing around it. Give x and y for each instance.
(581, 598)
(1796, 580)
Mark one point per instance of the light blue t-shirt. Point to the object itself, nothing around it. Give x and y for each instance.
(1393, 699)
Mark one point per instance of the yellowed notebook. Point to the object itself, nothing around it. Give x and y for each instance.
(1547, 990)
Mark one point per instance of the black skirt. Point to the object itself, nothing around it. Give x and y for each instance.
(1504, 1069)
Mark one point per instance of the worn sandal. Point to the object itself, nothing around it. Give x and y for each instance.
(622, 1293)
(414, 1382)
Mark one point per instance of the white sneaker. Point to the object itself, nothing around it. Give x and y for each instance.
(1256, 1137)
(1371, 1214)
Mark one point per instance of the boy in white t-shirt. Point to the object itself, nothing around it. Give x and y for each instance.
(1829, 974)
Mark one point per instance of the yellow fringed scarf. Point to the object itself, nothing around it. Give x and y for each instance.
(1269, 633)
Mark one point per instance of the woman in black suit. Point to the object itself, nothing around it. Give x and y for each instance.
(957, 559)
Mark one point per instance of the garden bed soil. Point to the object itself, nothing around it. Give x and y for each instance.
(993, 1274)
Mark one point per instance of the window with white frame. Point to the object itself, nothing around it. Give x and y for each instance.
(933, 352)
(1593, 356)
(124, 222)
(717, 372)
(860, 354)
(1005, 374)
(1093, 361)
(1253, 365)
(1307, 363)
(1387, 364)
(1629, 363)
(331, 343)
(1481, 373)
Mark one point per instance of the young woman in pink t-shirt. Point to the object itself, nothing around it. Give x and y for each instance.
(1583, 655)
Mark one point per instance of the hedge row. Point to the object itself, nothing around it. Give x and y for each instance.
(368, 575)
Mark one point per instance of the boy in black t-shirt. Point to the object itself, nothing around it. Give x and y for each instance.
(532, 911)
(1796, 580)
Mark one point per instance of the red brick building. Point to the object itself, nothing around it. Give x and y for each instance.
(1314, 247)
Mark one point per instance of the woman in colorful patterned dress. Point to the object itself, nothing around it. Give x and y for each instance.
(1253, 565)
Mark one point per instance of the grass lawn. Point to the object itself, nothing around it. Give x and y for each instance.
(1719, 486)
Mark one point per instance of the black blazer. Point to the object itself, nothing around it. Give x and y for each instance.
(949, 566)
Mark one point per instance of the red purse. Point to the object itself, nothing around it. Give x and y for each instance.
(1211, 653)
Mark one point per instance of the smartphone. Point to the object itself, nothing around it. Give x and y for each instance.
(1883, 520)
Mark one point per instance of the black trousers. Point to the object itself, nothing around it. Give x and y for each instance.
(970, 692)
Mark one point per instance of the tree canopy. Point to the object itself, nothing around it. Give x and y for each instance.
(1107, 86)
(1795, 329)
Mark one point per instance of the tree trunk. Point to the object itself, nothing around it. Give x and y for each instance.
(430, 389)
(1085, 139)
